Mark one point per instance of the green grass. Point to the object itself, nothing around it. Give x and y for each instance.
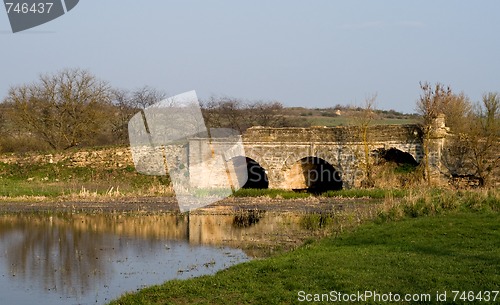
(344, 121)
(9, 188)
(366, 193)
(52, 180)
(451, 251)
(457, 249)
(428, 202)
(346, 193)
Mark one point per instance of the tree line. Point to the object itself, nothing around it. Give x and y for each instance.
(74, 108)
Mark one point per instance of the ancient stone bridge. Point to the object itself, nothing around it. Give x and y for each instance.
(285, 157)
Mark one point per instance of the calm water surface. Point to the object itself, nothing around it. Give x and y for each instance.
(92, 259)
(81, 259)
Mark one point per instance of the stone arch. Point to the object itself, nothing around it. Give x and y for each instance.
(256, 175)
(314, 175)
(413, 149)
(397, 156)
(258, 155)
(292, 157)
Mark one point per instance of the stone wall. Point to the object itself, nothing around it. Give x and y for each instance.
(115, 157)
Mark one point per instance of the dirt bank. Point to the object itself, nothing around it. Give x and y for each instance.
(169, 205)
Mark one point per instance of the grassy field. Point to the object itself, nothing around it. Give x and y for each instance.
(345, 193)
(344, 121)
(457, 249)
(57, 179)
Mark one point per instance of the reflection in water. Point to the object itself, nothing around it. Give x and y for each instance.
(83, 259)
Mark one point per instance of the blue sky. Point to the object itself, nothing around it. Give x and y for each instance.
(302, 53)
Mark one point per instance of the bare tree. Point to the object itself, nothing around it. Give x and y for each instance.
(269, 114)
(456, 108)
(146, 96)
(64, 109)
(363, 119)
(237, 114)
(125, 104)
(483, 137)
(432, 103)
(231, 112)
(123, 109)
(210, 114)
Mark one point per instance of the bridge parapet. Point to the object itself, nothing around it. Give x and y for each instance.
(377, 133)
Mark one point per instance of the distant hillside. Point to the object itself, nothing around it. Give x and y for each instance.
(342, 115)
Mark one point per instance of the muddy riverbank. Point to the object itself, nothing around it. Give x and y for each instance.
(229, 206)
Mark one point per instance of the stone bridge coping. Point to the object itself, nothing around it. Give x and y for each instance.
(336, 143)
(323, 135)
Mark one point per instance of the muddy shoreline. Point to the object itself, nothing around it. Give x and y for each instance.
(147, 205)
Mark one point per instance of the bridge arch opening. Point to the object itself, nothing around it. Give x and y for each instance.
(314, 175)
(256, 174)
(402, 159)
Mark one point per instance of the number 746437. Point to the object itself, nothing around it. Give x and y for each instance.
(27, 8)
